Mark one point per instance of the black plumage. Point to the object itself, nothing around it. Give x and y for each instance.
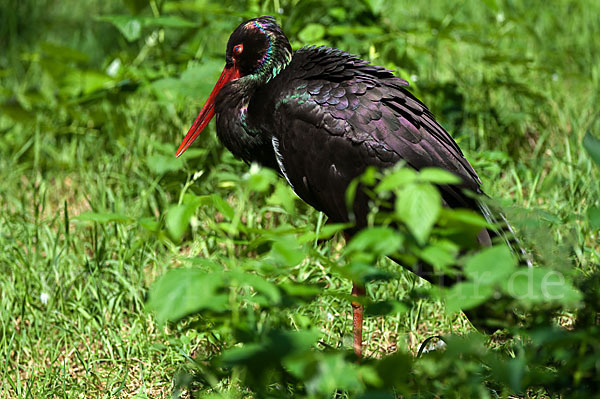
(330, 115)
(321, 117)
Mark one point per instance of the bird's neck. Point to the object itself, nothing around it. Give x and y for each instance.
(235, 127)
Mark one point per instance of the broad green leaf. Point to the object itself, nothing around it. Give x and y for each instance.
(286, 250)
(418, 206)
(64, 53)
(16, 112)
(103, 217)
(223, 207)
(278, 345)
(161, 164)
(593, 215)
(177, 220)
(130, 27)
(376, 241)
(384, 308)
(464, 216)
(169, 21)
(302, 290)
(509, 371)
(76, 81)
(149, 223)
(312, 33)
(93, 81)
(135, 6)
(182, 292)
(243, 354)
(192, 87)
(538, 284)
(257, 282)
(438, 176)
(333, 373)
(341, 30)
(592, 145)
(490, 265)
(394, 371)
(438, 255)
(396, 179)
(283, 196)
(361, 271)
(466, 295)
(377, 6)
(261, 179)
(327, 231)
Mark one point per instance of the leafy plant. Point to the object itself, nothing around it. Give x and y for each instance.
(94, 208)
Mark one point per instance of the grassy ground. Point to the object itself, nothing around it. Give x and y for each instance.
(517, 85)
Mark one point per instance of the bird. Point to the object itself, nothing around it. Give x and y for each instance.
(320, 117)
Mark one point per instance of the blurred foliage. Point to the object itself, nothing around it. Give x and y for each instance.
(253, 304)
(94, 97)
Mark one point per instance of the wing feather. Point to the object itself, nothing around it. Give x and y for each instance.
(348, 116)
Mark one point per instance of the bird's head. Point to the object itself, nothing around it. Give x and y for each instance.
(257, 51)
(257, 47)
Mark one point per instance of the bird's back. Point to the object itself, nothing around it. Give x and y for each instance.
(332, 115)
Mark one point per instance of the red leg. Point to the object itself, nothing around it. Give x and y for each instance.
(357, 318)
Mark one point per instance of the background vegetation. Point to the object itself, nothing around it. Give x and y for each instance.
(95, 97)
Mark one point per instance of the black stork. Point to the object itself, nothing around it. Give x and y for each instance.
(319, 117)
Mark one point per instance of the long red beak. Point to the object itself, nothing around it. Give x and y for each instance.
(208, 111)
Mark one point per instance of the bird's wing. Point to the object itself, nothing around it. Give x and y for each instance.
(336, 114)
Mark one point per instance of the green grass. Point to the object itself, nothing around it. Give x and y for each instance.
(517, 86)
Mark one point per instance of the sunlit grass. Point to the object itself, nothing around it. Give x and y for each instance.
(72, 292)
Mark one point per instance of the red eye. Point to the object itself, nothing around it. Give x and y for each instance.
(238, 49)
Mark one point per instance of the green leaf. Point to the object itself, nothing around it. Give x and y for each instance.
(396, 179)
(592, 145)
(312, 33)
(439, 255)
(466, 295)
(538, 284)
(283, 196)
(103, 217)
(438, 176)
(418, 206)
(278, 345)
(261, 179)
(490, 265)
(130, 27)
(242, 354)
(287, 251)
(259, 284)
(64, 53)
(149, 223)
(464, 216)
(384, 308)
(16, 112)
(593, 215)
(361, 271)
(327, 231)
(169, 21)
(135, 6)
(223, 207)
(333, 373)
(161, 164)
(92, 81)
(344, 30)
(302, 290)
(182, 292)
(177, 220)
(376, 241)
(509, 371)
